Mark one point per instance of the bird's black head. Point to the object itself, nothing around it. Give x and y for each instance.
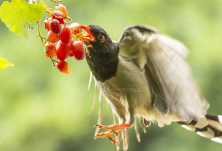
(99, 39)
(103, 43)
(102, 57)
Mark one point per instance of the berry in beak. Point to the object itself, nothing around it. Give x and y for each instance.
(88, 36)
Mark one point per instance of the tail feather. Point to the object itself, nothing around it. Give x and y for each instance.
(209, 127)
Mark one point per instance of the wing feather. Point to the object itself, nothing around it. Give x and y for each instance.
(168, 74)
(176, 86)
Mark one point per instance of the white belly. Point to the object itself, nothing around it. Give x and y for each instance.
(129, 95)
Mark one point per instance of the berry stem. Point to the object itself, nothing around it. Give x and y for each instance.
(87, 50)
(56, 2)
(39, 33)
(42, 38)
(70, 19)
(46, 7)
(53, 61)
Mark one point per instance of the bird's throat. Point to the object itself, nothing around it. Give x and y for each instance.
(103, 65)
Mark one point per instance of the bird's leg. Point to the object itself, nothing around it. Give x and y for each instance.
(112, 129)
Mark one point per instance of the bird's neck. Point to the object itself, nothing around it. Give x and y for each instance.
(103, 65)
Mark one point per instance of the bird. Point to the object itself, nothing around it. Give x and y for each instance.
(145, 74)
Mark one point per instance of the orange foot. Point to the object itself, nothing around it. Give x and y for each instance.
(112, 129)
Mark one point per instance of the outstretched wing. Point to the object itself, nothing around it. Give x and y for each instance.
(168, 74)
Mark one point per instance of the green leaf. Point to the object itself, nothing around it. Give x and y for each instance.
(17, 13)
(4, 63)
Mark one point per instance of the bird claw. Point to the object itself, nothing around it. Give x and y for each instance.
(108, 135)
(112, 129)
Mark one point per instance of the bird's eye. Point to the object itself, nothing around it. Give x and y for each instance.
(101, 37)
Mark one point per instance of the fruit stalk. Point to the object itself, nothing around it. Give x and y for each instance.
(46, 7)
(43, 43)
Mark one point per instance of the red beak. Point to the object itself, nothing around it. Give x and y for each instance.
(88, 36)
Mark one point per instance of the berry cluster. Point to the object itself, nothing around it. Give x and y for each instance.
(61, 39)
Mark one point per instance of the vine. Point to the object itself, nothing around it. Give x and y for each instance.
(62, 41)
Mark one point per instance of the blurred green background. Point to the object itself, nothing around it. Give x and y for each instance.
(44, 110)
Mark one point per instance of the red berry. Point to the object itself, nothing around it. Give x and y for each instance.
(59, 16)
(63, 67)
(78, 50)
(66, 35)
(71, 54)
(47, 24)
(62, 51)
(71, 50)
(62, 9)
(52, 37)
(75, 28)
(55, 26)
(50, 50)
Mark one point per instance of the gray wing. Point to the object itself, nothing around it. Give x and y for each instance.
(168, 74)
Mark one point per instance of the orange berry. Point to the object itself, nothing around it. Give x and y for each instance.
(62, 9)
(63, 67)
(50, 50)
